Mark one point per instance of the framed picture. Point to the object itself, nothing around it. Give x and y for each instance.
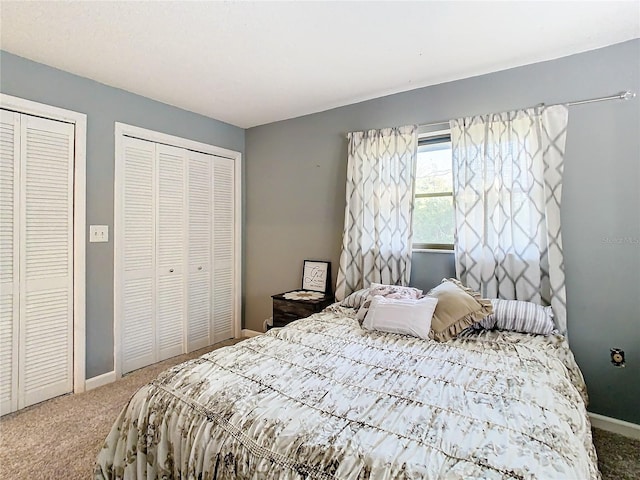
(316, 276)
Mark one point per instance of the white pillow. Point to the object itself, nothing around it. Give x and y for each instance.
(388, 291)
(401, 315)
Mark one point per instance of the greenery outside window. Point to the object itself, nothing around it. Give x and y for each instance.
(433, 213)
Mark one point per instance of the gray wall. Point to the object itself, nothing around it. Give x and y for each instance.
(296, 173)
(104, 106)
(429, 268)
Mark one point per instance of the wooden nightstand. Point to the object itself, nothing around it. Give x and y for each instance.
(286, 311)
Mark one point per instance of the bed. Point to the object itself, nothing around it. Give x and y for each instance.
(325, 399)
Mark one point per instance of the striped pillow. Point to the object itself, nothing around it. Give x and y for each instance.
(519, 316)
(355, 299)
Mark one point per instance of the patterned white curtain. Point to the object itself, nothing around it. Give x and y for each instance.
(376, 243)
(507, 171)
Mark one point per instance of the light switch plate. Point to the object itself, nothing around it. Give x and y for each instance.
(98, 233)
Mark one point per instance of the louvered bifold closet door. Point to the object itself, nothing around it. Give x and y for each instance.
(175, 251)
(9, 264)
(223, 314)
(199, 250)
(171, 248)
(138, 303)
(45, 361)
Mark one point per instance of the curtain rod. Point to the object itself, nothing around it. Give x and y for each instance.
(619, 96)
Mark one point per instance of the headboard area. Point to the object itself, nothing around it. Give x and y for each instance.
(428, 268)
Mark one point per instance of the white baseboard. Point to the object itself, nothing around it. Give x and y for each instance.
(614, 425)
(100, 380)
(250, 333)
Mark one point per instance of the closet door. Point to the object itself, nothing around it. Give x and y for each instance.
(175, 250)
(199, 251)
(45, 363)
(36, 259)
(171, 247)
(138, 302)
(9, 264)
(223, 249)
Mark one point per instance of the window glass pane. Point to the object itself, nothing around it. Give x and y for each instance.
(433, 170)
(433, 220)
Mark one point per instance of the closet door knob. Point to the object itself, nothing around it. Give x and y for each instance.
(199, 268)
(171, 270)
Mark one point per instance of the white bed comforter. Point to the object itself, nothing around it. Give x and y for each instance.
(323, 398)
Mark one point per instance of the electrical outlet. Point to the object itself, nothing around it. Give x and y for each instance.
(99, 233)
(617, 357)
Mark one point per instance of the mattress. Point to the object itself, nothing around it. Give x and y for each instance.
(323, 398)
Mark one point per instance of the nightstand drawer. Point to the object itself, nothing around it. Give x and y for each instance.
(300, 309)
(287, 310)
(280, 319)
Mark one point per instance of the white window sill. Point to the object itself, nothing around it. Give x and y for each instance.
(431, 250)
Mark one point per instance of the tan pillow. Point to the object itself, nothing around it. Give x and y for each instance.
(458, 307)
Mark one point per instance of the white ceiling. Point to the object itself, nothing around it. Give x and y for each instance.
(251, 63)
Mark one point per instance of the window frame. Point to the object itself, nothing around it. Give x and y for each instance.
(431, 138)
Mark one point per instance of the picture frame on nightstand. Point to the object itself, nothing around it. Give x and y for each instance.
(316, 276)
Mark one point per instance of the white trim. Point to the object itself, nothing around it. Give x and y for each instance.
(427, 131)
(118, 193)
(628, 429)
(432, 250)
(122, 130)
(100, 380)
(79, 257)
(250, 333)
(79, 120)
(237, 277)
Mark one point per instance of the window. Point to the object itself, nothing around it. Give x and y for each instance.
(433, 214)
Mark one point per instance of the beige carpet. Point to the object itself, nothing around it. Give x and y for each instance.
(618, 456)
(60, 438)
